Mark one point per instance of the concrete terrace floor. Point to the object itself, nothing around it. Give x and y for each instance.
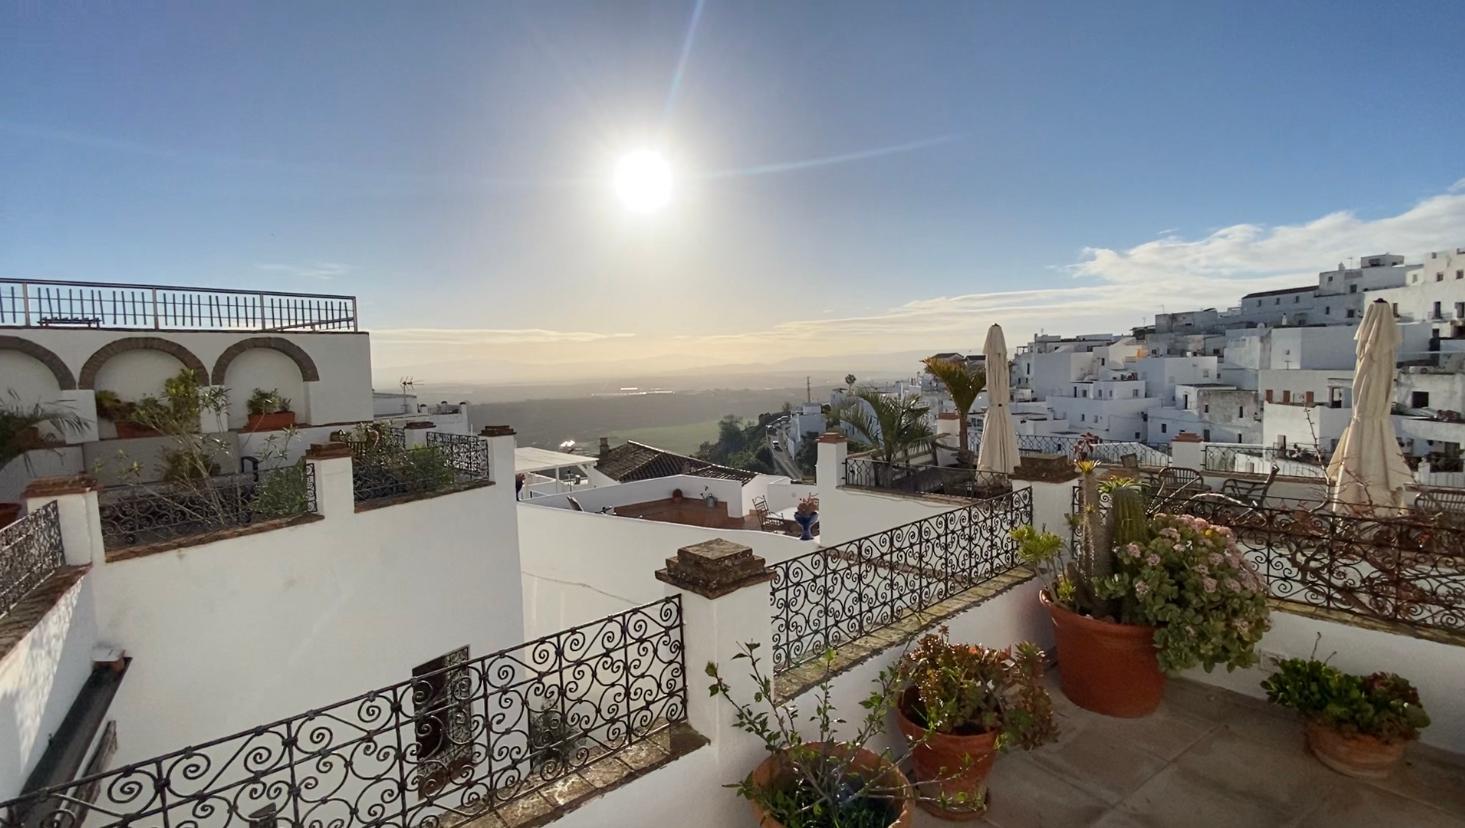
(1207, 757)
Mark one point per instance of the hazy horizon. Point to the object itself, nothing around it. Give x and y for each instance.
(837, 186)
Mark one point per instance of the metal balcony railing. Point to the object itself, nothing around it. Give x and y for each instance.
(44, 303)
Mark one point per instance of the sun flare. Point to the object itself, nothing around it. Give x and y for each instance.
(643, 181)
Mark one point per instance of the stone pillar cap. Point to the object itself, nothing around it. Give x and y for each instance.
(833, 437)
(497, 431)
(61, 485)
(714, 568)
(948, 415)
(328, 451)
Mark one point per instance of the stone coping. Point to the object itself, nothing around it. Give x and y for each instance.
(25, 615)
(1439, 636)
(145, 549)
(810, 674)
(600, 776)
(384, 502)
(64, 485)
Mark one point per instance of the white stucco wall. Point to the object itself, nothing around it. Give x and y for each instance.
(228, 635)
(268, 370)
(25, 380)
(39, 679)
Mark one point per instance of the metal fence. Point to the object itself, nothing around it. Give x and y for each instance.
(447, 745)
(47, 303)
(869, 473)
(839, 593)
(383, 466)
(141, 514)
(30, 550)
(1293, 461)
(1106, 451)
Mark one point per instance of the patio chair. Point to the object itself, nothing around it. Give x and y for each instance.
(1251, 492)
(765, 520)
(1129, 461)
(1176, 485)
(1444, 505)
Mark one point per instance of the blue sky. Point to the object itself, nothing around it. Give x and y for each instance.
(1059, 166)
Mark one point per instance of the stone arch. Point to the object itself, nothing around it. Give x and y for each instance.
(302, 360)
(43, 355)
(95, 362)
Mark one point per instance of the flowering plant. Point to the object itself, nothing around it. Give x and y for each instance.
(969, 689)
(1189, 580)
(808, 505)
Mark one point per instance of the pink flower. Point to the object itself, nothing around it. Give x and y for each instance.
(1209, 584)
(1202, 569)
(1215, 558)
(1232, 585)
(1132, 550)
(1152, 560)
(1140, 587)
(1179, 547)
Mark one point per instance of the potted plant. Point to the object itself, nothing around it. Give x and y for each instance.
(708, 497)
(806, 514)
(123, 414)
(962, 704)
(676, 495)
(268, 411)
(824, 782)
(1356, 725)
(1143, 596)
(20, 432)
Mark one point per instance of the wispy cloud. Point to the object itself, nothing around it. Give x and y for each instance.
(831, 160)
(316, 270)
(487, 336)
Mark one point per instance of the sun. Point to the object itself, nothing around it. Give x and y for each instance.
(643, 181)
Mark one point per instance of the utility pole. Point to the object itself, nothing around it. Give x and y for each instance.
(808, 390)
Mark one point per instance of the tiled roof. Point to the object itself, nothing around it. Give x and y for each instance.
(638, 461)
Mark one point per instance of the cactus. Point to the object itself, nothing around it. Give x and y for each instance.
(1100, 535)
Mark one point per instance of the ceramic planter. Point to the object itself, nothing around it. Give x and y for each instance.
(1106, 667)
(941, 760)
(771, 770)
(1353, 754)
(806, 521)
(269, 422)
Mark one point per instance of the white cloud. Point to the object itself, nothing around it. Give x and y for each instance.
(468, 337)
(316, 270)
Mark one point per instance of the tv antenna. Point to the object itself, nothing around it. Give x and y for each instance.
(407, 388)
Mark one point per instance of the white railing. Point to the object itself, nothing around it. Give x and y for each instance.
(42, 303)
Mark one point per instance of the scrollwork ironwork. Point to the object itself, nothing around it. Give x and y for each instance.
(443, 746)
(30, 550)
(139, 514)
(869, 473)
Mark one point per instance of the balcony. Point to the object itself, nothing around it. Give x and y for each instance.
(42, 303)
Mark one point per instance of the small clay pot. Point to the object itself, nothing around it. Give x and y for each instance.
(941, 760)
(775, 766)
(1354, 754)
(1106, 667)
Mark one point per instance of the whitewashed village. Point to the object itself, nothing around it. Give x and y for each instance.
(239, 587)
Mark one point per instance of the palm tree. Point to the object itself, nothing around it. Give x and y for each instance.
(20, 424)
(849, 379)
(963, 384)
(893, 425)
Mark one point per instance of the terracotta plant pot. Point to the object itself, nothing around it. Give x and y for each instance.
(1106, 667)
(943, 757)
(126, 430)
(9, 513)
(771, 770)
(1357, 755)
(269, 422)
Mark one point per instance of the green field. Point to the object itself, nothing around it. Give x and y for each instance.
(682, 439)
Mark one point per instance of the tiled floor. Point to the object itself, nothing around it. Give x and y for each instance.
(1208, 757)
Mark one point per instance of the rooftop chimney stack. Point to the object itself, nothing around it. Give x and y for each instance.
(604, 446)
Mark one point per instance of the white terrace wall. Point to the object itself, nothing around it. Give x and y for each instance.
(728, 492)
(242, 631)
(580, 566)
(39, 678)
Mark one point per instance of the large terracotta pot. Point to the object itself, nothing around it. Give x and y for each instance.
(941, 760)
(269, 422)
(1106, 667)
(771, 770)
(1364, 757)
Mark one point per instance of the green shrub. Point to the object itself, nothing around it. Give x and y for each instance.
(1383, 705)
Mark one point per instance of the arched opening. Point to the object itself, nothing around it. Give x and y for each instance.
(265, 369)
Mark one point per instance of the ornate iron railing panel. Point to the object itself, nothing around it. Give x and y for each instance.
(45, 303)
(869, 473)
(458, 742)
(839, 593)
(141, 514)
(384, 467)
(30, 550)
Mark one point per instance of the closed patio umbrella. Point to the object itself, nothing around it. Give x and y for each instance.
(1368, 469)
(998, 451)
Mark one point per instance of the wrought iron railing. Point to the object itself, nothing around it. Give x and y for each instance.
(30, 550)
(48, 303)
(147, 513)
(384, 467)
(839, 593)
(869, 473)
(455, 743)
(1408, 569)
(1293, 461)
(1106, 451)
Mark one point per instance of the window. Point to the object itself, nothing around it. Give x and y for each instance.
(1396, 309)
(1205, 373)
(1206, 409)
(1083, 418)
(1330, 280)
(1419, 399)
(1134, 393)
(1206, 435)
(1136, 435)
(1269, 395)
(441, 691)
(1460, 310)
(1241, 411)
(1307, 398)
(1277, 301)
(1460, 274)
(1163, 428)
(1296, 299)
(1439, 277)
(1286, 396)
(1327, 310)
(1353, 288)
(1350, 313)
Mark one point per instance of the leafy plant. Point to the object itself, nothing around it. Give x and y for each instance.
(969, 689)
(111, 407)
(894, 425)
(263, 402)
(20, 427)
(1382, 705)
(428, 468)
(818, 783)
(964, 384)
(808, 505)
(282, 492)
